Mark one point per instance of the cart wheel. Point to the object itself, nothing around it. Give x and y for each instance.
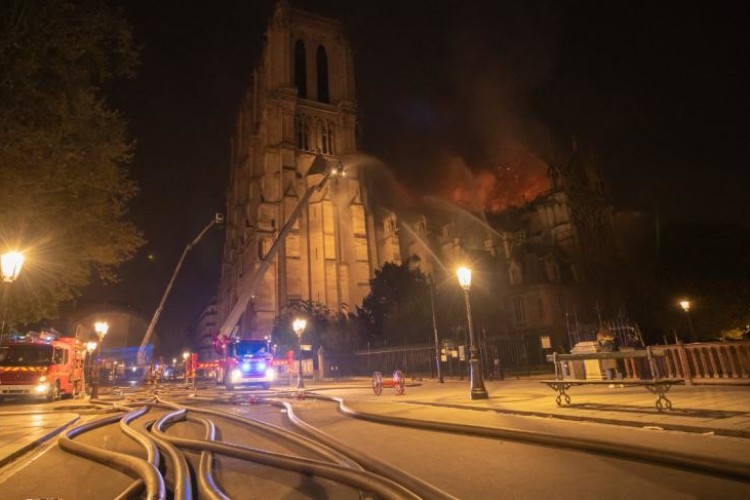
(398, 383)
(377, 383)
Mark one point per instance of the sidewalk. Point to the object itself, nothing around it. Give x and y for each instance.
(722, 410)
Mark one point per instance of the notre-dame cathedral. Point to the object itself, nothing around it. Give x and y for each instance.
(299, 113)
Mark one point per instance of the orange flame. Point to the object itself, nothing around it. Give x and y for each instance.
(518, 178)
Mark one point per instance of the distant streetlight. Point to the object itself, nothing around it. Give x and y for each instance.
(185, 356)
(101, 328)
(11, 264)
(685, 305)
(298, 326)
(435, 330)
(475, 372)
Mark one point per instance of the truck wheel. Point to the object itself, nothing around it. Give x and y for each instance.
(54, 392)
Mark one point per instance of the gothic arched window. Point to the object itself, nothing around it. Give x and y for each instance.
(331, 139)
(324, 138)
(300, 69)
(322, 66)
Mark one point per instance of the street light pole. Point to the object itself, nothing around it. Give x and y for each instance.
(685, 304)
(435, 330)
(298, 326)
(475, 371)
(88, 373)
(10, 264)
(101, 328)
(185, 356)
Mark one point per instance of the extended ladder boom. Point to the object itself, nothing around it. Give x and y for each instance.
(218, 219)
(239, 308)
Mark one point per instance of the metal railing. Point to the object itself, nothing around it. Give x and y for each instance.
(706, 363)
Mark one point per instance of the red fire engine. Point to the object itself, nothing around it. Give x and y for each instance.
(245, 362)
(42, 365)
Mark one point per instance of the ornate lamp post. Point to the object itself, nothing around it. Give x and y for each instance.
(475, 371)
(90, 348)
(101, 328)
(435, 330)
(685, 305)
(185, 356)
(298, 325)
(11, 264)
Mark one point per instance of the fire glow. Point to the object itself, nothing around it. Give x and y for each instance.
(516, 179)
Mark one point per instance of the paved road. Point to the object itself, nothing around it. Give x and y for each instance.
(717, 418)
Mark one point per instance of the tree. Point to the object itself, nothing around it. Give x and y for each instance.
(337, 333)
(64, 188)
(397, 309)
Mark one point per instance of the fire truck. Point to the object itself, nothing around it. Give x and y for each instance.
(245, 362)
(41, 364)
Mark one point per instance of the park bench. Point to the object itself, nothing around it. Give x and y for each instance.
(655, 384)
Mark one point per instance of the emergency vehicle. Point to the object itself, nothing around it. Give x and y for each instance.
(246, 362)
(41, 364)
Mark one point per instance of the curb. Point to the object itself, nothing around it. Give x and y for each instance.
(598, 420)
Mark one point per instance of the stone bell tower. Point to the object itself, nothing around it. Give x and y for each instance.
(299, 110)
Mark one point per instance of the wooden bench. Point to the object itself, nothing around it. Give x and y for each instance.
(656, 385)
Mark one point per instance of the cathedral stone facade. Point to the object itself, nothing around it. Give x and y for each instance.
(299, 113)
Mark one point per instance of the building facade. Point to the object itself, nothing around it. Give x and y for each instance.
(299, 111)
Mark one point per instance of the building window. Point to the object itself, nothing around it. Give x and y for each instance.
(300, 69)
(520, 313)
(561, 304)
(322, 66)
(540, 305)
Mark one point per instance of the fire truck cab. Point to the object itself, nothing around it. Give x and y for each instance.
(42, 365)
(246, 362)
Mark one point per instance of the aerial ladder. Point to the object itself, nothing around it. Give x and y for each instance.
(319, 166)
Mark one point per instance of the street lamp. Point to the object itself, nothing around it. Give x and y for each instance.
(298, 325)
(475, 372)
(90, 348)
(11, 264)
(435, 330)
(685, 305)
(101, 328)
(185, 356)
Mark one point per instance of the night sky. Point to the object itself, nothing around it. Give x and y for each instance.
(657, 90)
